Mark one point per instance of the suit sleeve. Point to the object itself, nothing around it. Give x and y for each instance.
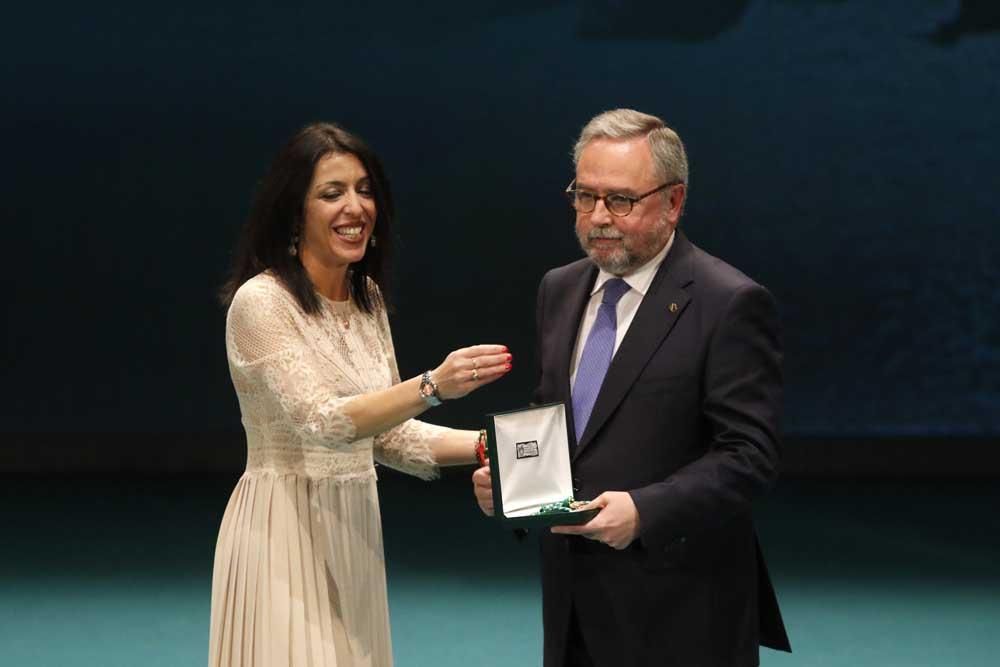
(537, 397)
(741, 406)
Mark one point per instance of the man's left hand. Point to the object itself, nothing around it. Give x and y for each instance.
(616, 525)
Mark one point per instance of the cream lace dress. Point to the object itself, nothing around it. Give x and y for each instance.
(299, 575)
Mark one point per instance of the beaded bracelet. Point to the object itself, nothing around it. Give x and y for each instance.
(481, 447)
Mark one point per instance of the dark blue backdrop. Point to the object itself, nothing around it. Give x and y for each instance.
(843, 153)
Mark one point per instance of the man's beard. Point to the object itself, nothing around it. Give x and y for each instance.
(633, 252)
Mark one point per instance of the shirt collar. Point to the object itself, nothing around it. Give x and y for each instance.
(641, 278)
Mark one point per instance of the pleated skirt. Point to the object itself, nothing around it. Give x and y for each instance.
(299, 576)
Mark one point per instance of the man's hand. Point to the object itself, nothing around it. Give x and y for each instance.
(616, 525)
(482, 486)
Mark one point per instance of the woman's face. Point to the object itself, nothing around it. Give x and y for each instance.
(339, 212)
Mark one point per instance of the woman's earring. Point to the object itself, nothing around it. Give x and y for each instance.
(293, 247)
(371, 241)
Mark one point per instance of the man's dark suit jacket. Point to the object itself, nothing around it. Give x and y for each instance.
(686, 421)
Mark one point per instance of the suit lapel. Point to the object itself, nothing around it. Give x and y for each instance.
(663, 305)
(568, 314)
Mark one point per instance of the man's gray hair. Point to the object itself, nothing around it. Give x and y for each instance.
(669, 157)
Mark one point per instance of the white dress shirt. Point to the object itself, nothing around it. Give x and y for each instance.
(638, 282)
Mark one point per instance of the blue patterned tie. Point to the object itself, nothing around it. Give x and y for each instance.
(596, 356)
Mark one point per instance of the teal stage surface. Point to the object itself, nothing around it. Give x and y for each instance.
(106, 572)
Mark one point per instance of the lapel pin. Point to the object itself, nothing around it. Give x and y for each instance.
(673, 308)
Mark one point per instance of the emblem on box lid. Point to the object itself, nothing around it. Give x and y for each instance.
(527, 450)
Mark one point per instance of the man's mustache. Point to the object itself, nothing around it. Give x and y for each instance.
(604, 233)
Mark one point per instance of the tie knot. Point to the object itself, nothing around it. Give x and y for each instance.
(614, 290)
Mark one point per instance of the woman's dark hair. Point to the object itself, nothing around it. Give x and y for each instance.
(277, 215)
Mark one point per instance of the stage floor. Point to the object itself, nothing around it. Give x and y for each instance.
(109, 572)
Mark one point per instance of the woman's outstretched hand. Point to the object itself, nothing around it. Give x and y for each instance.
(469, 368)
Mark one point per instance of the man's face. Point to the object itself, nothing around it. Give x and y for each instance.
(621, 244)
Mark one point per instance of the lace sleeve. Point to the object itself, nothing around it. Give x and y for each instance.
(408, 447)
(266, 346)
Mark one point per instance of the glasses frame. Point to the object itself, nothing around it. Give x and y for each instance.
(632, 201)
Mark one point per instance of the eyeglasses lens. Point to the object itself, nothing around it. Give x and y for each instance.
(618, 205)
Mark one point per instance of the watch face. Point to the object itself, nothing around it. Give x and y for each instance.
(427, 391)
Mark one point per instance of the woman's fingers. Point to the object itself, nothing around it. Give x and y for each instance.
(488, 366)
(492, 370)
(490, 360)
(478, 378)
(480, 350)
(469, 368)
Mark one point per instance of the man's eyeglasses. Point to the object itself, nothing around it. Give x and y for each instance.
(618, 204)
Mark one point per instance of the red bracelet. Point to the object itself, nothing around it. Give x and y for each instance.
(481, 448)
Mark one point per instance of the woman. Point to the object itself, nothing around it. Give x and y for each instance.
(299, 574)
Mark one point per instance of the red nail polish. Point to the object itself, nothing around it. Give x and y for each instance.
(510, 357)
(508, 367)
(505, 348)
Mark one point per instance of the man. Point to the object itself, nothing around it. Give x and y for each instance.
(669, 361)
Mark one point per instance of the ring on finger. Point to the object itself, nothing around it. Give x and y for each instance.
(475, 363)
(475, 374)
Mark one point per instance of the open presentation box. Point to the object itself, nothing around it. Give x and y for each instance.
(529, 463)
